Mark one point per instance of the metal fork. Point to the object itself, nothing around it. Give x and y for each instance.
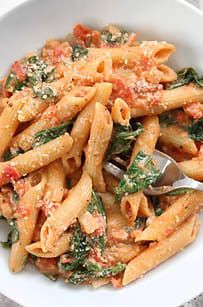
(172, 178)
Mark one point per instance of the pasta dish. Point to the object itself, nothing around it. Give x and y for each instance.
(97, 97)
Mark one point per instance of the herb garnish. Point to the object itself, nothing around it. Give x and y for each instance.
(140, 222)
(13, 233)
(15, 197)
(78, 53)
(139, 176)
(180, 191)
(186, 76)
(44, 136)
(195, 130)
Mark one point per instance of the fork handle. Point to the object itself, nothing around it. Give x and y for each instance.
(187, 182)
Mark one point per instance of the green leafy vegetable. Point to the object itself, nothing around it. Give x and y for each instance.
(114, 39)
(52, 277)
(13, 233)
(186, 76)
(69, 183)
(93, 271)
(139, 176)
(44, 92)
(8, 155)
(38, 71)
(156, 204)
(79, 250)
(167, 118)
(33, 257)
(78, 53)
(44, 136)
(180, 191)
(140, 222)
(122, 138)
(195, 130)
(96, 203)
(15, 197)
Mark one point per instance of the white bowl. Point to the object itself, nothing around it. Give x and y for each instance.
(26, 28)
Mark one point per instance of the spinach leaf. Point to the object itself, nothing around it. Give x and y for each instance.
(114, 39)
(186, 76)
(139, 176)
(44, 92)
(195, 130)
(93, 271)
(8, 155)
(167, 118)
(69, 184)
(79, 250)
(97, 204)
(180, 191)
(38, 71)
(15, 197)
(140, 222)
(44, 136)
(156, 204)
(122, 138)
(13, 233)
(78, 53)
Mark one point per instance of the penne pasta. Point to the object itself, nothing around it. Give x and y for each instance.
(130, 205)
(175, 215)
(193, 168)
(171, 99)
(178, 138)
(60, 247)
(82, 125)
(120, 112)
(161, 251)
(72, 207)
(102, 125)
(159, 51)
(168, 74)
(26, 217)
(34, 159)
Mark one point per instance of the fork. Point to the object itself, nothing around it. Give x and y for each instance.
(171, 176)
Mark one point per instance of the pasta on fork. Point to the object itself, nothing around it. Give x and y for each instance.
(101, 96)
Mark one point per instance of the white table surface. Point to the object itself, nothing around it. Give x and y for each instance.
(6, 5)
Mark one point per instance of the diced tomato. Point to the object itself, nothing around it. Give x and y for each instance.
(9, 173)
(120, 89)
(116, 281)
(194, 110)
(19, 70)
(47, 265)
(145, 63)
(22, 211)
(80, 31)
(101, 225)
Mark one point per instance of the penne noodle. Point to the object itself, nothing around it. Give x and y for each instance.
(54, 190)
(31, 108)
(168, 74)
(161, 251)
(178, 138)
(102, 125)
(72, 207)
(193, 168)
(145, 209)
(82, 126)
(171, 99)
(176, 214)
(120, 112)
(130, 205)
(26, 224)
(147, 140)
(160, 51)
(32, 160)
(59, 248)
(9, 123)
